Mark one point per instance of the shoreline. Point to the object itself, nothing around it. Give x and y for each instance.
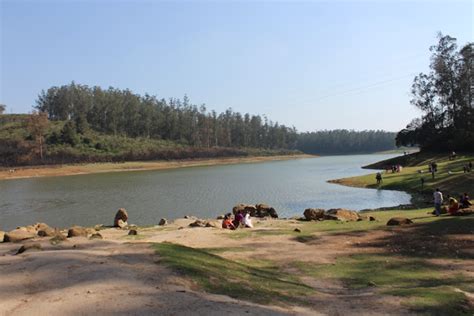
(91, 168)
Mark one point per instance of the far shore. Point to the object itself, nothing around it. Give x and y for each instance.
(88, 168)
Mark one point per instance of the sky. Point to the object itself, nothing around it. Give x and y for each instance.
(314, 65)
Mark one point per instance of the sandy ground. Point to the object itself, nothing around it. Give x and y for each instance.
(122, 275)
(66, 170)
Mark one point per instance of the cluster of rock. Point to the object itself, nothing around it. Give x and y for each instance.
(257, 210)
(338, 214)
(44, 230)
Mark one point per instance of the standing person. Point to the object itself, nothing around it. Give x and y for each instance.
(378, 177)
(438, 200)
(470, 166)
(422, 182)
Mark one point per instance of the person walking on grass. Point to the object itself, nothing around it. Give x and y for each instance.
(438, 200)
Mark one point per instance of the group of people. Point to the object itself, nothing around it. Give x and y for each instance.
(241, 219)
(453, 205)
(393, 168)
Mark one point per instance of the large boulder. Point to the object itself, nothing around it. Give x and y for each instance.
(313, 214)
(342, 214)
(398, 221)
(18, 235)
(77, 231)
(245, 208)
(264, 210)
(121, 218)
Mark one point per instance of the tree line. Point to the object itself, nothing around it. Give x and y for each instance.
(121, 112)
(445, 97)
(342, 141)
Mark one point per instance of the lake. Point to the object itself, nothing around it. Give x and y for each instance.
(289, 186)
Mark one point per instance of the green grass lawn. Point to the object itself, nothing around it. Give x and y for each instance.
(450, 177)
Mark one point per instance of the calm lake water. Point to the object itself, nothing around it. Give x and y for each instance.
(289, 186)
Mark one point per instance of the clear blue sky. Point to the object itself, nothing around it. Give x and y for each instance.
(314, 65)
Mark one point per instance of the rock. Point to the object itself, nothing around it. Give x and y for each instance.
(341, 214)
(264, 210)
(26, 247)
(245, 208)
(2, 235)
(121, 224)
(29, 228)
(96, 236)
(132, 232)
(44, 230)
(98, 227)
(220, 217)
(58, 238)
(313, 214)
(213, 224)
(397, 221)
(18, 234)
(121, 215)
(77, 231)
(297, 230)
(163, 222)
(371, 218)
(190, 217)
(198, 223)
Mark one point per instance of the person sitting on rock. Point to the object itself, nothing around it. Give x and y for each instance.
(227, 222)
(247, 221)
(239, 219)
(465, 201)
(453, 206)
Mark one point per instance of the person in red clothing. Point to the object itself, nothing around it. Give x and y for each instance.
(227, 222)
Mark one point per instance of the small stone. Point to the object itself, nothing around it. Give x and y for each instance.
(26, 247)
(297, 230)
(371, 218)
(96, 236)
(132, 232)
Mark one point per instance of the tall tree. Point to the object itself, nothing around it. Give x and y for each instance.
(37, 125)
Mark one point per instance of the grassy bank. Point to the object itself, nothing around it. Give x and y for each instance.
(450, 177)
(423, 268)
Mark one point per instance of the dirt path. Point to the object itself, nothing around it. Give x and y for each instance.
(123, 275)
